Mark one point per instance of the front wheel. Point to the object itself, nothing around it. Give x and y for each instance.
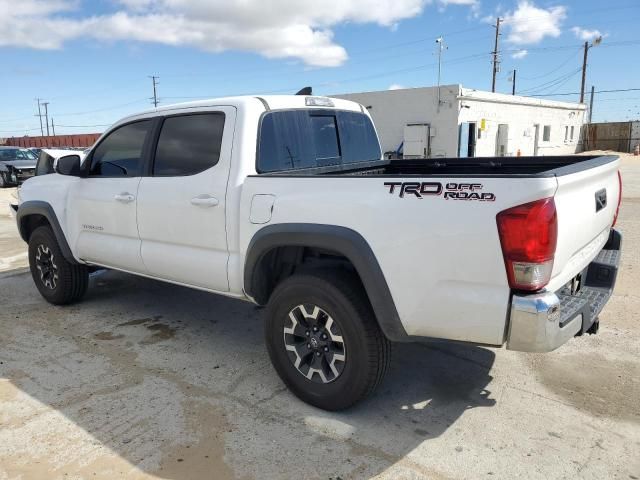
(3, 180)
(59, 281)
(323, 339)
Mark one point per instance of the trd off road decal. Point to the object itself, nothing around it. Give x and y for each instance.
(450, 191)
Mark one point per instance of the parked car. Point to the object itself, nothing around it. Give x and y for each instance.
(45, 165)
(285, 201)
(48, 159)
(16, 165)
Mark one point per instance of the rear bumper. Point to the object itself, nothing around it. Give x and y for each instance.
(543, 321)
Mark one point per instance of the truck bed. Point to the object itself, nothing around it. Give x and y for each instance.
(478, 167)
(432, 225)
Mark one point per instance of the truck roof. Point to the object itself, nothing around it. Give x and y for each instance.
(274, 102)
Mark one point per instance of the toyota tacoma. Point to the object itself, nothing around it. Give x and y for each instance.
(287, 202)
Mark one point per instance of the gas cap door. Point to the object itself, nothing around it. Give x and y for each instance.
(261, 208)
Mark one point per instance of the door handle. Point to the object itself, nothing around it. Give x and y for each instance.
(124, 197)
(204, 201)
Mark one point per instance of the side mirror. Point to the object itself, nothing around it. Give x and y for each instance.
(68, 165)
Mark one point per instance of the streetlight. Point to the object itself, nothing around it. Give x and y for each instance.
(595, 43)
(441, 46)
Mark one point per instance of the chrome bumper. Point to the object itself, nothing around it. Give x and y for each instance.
(535, 323)
(543, 321)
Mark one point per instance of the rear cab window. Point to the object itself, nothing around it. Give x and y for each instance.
(303, 139)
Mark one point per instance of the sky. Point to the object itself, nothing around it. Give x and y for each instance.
(91, 60)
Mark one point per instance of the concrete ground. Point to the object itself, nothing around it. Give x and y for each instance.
(147, 380)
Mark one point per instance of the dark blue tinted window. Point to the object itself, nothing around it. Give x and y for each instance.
(358, 139)
(325, 136)
(296, 139)
(120, 153)
(285, 143)
(189, 144)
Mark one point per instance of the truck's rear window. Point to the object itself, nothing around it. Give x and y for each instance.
(297, 139)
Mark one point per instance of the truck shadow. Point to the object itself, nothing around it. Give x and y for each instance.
(178, 382)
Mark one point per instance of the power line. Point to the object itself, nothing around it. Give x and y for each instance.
(561, 83)
(578, 93)
(21, 130)
(114, 107)
(550, 83)
(554, 70)
(58, 126)
(86, 126)
(386, 73)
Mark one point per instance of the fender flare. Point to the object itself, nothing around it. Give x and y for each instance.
(342, 240)
(39, 207)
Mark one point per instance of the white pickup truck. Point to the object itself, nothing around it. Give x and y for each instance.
(286, 201)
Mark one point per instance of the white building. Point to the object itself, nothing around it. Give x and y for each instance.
(465, 122)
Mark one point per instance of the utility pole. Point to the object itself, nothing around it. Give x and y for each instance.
(591, 103)
(39, 115)
(154, 79)
(595, 43)
(53, 127)
(584, 71)
(441, 46)
(46, 116)
(512, 77)
(496, 61)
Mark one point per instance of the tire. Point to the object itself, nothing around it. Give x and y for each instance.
(58, 281)
(364, 348)
(3, 181)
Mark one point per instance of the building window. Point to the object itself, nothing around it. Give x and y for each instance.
(566, 133)
(572, 134)
(546, 133)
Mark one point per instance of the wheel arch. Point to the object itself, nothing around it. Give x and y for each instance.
(35, 213)
(274, 244)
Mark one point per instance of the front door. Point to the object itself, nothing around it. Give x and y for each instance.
(102, 215)
(467, 140)
(536, 139)
(463, 143)
(181, 206)
(502, 140)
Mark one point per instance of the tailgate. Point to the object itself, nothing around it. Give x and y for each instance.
(586, 202)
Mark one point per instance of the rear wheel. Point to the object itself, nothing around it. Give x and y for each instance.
(59, 281)
(323, 339)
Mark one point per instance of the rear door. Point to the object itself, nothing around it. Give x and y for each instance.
(103, 205)
(181, 205)
(416, 141)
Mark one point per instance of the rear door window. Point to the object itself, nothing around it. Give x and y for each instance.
(298, 139)
(189, 144)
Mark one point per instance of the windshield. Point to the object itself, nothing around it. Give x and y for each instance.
(10, 154)
(297, 139)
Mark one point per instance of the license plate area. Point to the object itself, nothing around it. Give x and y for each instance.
(574, 286)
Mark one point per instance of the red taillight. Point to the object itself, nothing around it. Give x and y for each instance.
(528, 235)
(615, 217)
